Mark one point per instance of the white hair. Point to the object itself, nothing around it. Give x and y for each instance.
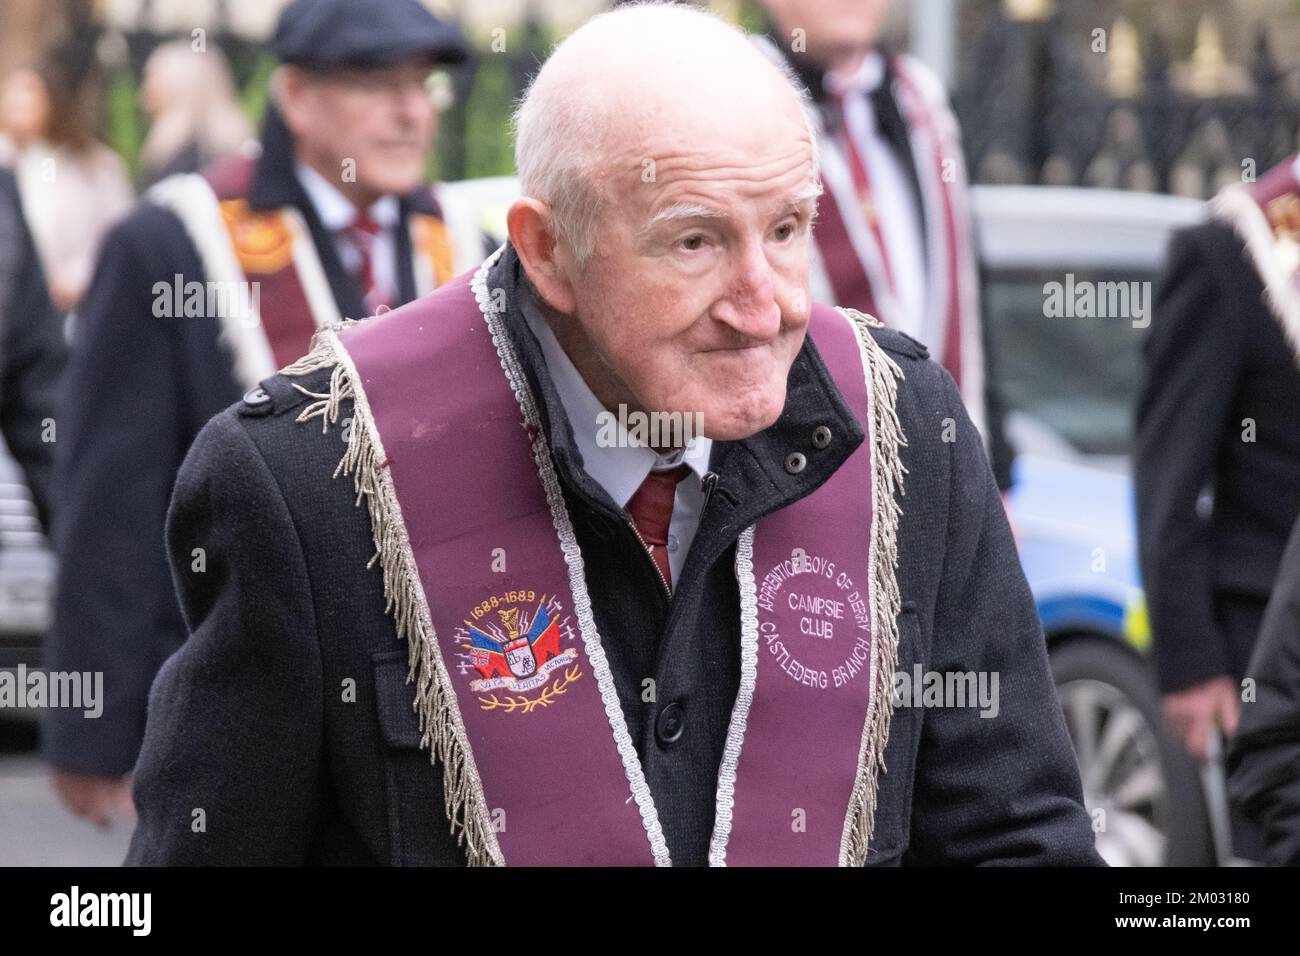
(554, 133)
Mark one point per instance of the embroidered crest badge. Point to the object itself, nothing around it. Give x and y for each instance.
(514, 642)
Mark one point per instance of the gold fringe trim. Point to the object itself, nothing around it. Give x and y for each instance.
(442, 728)
(887, 471)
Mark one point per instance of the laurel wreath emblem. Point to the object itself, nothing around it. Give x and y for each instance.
(519, 704)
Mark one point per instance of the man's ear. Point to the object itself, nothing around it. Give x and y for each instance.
(529, 225)
(288, 88)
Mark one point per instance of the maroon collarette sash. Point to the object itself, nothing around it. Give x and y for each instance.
(273, 289)
(1266, 216)
(486, 581)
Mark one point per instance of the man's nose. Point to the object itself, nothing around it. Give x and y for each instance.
(750, 306)
(413, 105)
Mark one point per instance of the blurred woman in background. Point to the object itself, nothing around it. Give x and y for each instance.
(194, 112)
(73, 187)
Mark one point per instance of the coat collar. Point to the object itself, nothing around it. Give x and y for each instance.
(752, 478)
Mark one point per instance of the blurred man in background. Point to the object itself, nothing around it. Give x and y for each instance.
(893, 235)
(32, 351)
(1217, 466)
(210, 286)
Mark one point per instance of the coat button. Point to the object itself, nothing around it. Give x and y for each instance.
(795, 462)
(671, 723)
(256, 396)
(821, 436)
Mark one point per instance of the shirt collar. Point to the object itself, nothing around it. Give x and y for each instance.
(751, 479)
(620, 470)
(866, 79)
(335, 211)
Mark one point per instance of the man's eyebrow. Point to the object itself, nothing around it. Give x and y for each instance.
(679, 211)
(809, 193)
(684, 210)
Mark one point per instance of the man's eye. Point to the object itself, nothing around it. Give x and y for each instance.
(693, 243)
(785, 231)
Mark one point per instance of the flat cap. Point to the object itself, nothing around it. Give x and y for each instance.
(320, 34)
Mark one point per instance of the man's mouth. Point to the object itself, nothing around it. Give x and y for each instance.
(738, 349)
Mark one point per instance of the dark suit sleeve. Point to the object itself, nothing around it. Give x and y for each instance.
(1264, 756)
(235, 716)
(120, 441)
(1002, 789)
(33, 354)
(1193, 357)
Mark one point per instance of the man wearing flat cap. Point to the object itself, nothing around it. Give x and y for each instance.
(215, 281)
(617, 567)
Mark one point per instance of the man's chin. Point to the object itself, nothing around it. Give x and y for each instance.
(739, 424)
(394, 183)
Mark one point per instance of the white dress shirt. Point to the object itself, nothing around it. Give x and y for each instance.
(891, 191)
(337, 215)
(621, 470)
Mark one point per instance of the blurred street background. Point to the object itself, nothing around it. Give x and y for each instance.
(1178, 94)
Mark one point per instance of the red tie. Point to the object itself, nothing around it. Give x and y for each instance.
(862, 184)
(652, 510)
(363, 231)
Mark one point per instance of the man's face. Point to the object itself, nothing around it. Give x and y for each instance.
(696, 299)
(25, 105)
(832, 29)
(371, 127)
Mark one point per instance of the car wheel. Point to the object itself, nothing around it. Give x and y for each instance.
(1147, 789)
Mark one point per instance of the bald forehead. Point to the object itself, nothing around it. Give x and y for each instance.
(647, 73)
(655, 43)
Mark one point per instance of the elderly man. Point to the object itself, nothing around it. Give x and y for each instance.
(615, 649)
(211, 285)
